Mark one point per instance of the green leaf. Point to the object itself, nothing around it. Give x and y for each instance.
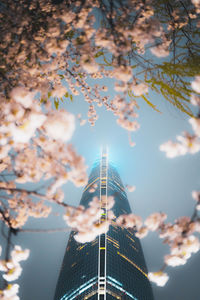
(49, 94)
(100, 53)
(66, 95)
(43, 100)
(150, 104)
(71, 98)
(56, 103)
(80, 75)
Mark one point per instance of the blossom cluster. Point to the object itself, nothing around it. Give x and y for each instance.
(12, 270)
(180, 237)
(33, 148)
(187, 143)
(87, 221)
(61, 50)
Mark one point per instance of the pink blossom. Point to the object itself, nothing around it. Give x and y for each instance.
(57, 183)
(142, 232)
(190, 143)
(197, 226)
(191, 244)
(174, 260)
(23, 132)
(60, 125)
(155, 220)
(58, 91)
(108, 201)
(195, 122)
(196, 84)
(160, 278)
(185, 246)
(140, 89)
(196, 195)
(22, 96)
(160, 51)
(120, 87)
(82, 122)
(129, 221)
(89, 64)
(123, 73)
(85, 237)
(173, 149)
(130, 188)
(90, 234)
(195, 100)
(4, 151)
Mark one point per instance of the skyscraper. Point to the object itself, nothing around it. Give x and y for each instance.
(113, 265)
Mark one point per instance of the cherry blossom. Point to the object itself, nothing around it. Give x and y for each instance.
(13, 272)
(10, 292)
(161, 50)
(140, 89)
(18, 254)
(130, 188)
(195, 100)
(22, 96)
(160, 278)
(196, 195)
(142, 232)
(196, 84)
(86, 221)
(155, 220)
(172, 149)
(195, 122)
(174, 260)
(129, 220)
(60, 125)
(69, 51)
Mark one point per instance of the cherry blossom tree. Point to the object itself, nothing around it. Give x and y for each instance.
(53, 51)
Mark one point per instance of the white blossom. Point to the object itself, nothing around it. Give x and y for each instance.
(196, 84)
(23, 132)
(196, 195)
(174, 260)
(155, 220)
(140, 89)
(142, 232)
(60, 125)
(18, 254)
(129, 221)
(22, 96)
(130, 188)
(123, 73)
(11, 291)
(13, 272)
(173, 149)
(195, 100)
(160, 278)
(195, 122)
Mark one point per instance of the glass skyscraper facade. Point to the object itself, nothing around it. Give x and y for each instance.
(113, 265)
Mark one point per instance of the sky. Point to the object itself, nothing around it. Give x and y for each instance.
(162, 184)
